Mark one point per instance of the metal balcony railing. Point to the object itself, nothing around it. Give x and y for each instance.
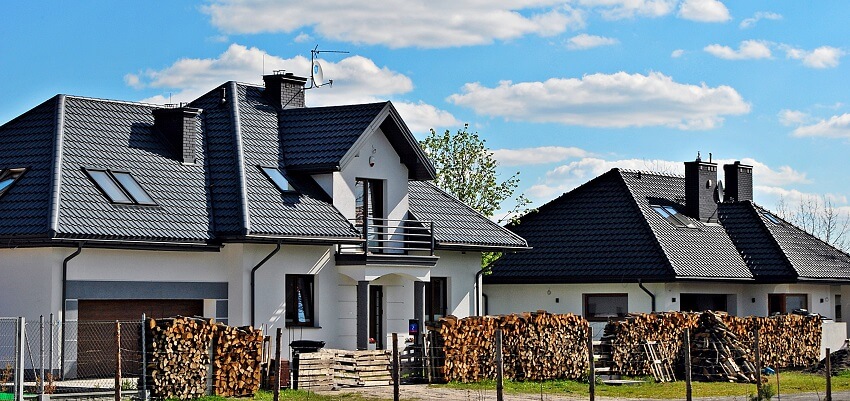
(392, 236)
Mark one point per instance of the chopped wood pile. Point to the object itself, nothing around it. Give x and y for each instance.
(238, 355)
(535, 346)
(181, 354)
(717, 354)
(784, 341)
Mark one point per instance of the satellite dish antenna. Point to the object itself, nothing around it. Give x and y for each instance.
(718, 193)
(316, 75)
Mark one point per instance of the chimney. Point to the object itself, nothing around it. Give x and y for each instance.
(700, 181)
(739, 182)
(284, 91)
(180, 127)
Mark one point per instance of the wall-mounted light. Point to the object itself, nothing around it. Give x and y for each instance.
(557, 300)
(754, 300)
(674, 299)
(371, 161)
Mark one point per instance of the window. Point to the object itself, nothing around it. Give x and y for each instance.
(704, 302)
(8, 177)
(278, 179)
(299, 300)
(672, 216)
(786, 303)
(436, 298)
(773, 219)
(120, 187)
(369, 211)
(602, 307)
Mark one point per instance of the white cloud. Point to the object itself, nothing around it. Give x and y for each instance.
(585, 41)
(758, 16)
(538, 155)
(621, 9)
(793, 117)
(356, 80)
(569, 176)
(747, 50)
(835, 127)
(606, 100)
(704, 11)
(302, 37)
(399, 23)
(822, 57)
(421, 117)
(677, 53)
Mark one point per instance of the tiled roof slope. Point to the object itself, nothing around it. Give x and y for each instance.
(594, 233)
(746, 226)
(321, 136)
(705, 251)
(124, 131)
(28, 141)
(810, 257)
(456, 224)
(271, 211)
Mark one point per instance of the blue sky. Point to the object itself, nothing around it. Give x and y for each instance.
(561, 90)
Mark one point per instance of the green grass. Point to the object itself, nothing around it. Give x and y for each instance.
(295, 395)
(790, 382)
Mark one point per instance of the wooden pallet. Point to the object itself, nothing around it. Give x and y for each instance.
(315, 371)
(660, 366)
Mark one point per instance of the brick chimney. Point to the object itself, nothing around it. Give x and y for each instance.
(739, 182)
(284, 91)
(700, 181)
(180, 126)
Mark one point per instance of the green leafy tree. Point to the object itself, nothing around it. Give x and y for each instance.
(466, 168)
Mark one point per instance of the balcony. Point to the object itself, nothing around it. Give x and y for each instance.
(390, 242)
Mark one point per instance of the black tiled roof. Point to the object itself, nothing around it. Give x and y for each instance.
(456, 224)
(607, 231)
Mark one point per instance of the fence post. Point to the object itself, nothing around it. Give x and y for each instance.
(117, 361)
(500, 367)
(50, 349)
(143, 386)
(395, 375)
(689, 391)
(828, 376)
(41, 355)
(20, 332)
(758, 360)
(591, 378)
(279, 367)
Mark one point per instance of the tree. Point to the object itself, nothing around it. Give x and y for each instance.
(820, 217)
(466, 168)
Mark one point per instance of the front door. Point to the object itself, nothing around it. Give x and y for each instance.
(376, 315)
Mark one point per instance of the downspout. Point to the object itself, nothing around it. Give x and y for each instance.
(646, 290)
(64, 295)
(254, 270)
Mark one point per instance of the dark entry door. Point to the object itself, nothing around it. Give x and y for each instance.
(376, 315)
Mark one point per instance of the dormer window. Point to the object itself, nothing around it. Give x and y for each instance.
(8, 177)
(120, 187)
(673, 217)
(278, 179)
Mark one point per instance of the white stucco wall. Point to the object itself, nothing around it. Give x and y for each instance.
(28, 279)
(460, 268)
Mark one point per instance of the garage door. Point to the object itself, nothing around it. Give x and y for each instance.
(96, 331)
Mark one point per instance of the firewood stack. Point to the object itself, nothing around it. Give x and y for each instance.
(179, 356)
(238, 354)
(717, 354)
(626, 338)
(535, 346)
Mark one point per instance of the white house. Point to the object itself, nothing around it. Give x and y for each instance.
(243, 205)
(636, 241)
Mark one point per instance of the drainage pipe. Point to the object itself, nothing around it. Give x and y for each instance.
(646, 290)
(478, 291)
(254, 270)
(64, 299)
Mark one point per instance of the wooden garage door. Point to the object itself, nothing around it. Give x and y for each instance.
(96, 330)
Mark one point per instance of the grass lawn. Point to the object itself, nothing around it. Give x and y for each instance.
(291, 395)
(789, 382)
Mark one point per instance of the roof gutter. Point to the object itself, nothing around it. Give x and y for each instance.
(64, 295)
(646, 290)
(254, 270)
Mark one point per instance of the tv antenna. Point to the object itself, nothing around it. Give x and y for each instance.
(317, 77)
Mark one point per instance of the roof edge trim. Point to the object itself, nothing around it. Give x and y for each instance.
(55, 189)
(240, 156)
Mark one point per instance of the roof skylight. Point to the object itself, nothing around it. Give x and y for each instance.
(8, 177)
(120, 187)
(773, 219)
(672, 216)
(277, 178)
